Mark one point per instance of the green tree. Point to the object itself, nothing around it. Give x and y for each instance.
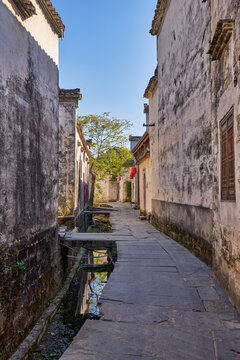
(113, 162)
(108, 135)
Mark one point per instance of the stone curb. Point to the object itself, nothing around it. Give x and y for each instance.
(36, 334)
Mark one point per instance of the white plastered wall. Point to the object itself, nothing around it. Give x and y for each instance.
(40, 30)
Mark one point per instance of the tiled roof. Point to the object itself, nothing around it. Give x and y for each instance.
(151, 85)
(52, 16)
(134, 138)
(70, 93)
(159, 16)
(141, 149)
(221, 38)
(25, 8)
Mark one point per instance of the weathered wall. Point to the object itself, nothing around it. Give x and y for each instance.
(195, 94)
(184, 126)
(154, 143)
(81, 183)
(191, 226)
(144, 169)
(113, 191)
(108, 190)
(125, 178)
(101, 191)
(181, 139)
(29, 254)
(135, 182)
(67, 144)
(225, 94)
(73, 161)
(135, 189)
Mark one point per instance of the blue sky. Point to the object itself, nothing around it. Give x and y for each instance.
(108, 53)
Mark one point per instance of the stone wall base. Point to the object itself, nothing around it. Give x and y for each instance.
(229, 279)
(191, 226)
(36, 334)
(226, 262)
(30, 275)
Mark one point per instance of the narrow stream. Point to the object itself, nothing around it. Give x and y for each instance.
(80, 304)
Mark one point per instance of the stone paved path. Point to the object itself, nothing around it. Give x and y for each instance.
(161, 302)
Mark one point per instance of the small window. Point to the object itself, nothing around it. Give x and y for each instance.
(227, 158)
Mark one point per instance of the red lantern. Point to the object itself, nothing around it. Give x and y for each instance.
(133, 170)
(119, 179)
(131, 176)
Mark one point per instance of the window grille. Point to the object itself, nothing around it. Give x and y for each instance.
(227, 157)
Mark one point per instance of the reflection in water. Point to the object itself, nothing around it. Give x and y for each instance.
(91, 285)
(95, 289)
(80, 304)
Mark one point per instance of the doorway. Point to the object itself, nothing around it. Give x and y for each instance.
(144, 192)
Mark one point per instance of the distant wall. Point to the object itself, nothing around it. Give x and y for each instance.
(102, 190)
(112, 190)
(107, 191)
(145, 171)
(135, 188)
(82, 179)
(154, 143)
(123, 184)
(67, 140)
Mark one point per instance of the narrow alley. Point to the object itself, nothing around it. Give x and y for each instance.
(161, 302)
(120, 180)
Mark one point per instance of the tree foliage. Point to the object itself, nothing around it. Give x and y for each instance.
(108, 136)
(105, 132)
(113, 162)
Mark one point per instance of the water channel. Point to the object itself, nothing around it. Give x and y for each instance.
(80, 304)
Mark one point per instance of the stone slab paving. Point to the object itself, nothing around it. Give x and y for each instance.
(160, 302)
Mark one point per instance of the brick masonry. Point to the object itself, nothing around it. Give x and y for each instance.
(29, 278)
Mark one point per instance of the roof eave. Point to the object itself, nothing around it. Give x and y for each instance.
(80, 132)
(141, 142)
(159, 16)
(151, 85)
(150, 88)
(70, 94)
(53, 17)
